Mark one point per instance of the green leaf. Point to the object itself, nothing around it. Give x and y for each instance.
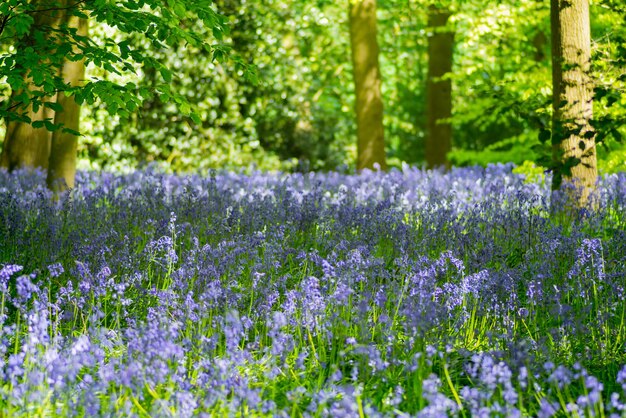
(124, 48)
(51, 126)
(166, 74)
(21, 24)
(112, 107)
(571, 162)
(54, 106)
(589, 134)
(164, 97)
(544, 135)
(37, 76)
(71, 131)
(218, 33)
(185, 107)
(131, 5)
(110, 68)
(179, 10)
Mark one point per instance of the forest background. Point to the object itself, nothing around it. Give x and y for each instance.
(276, 90)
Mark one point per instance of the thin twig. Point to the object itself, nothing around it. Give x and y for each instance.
(5, 20)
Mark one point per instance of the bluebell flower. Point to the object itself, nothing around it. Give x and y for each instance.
(26, 289)
(55, 270)
(621, 378)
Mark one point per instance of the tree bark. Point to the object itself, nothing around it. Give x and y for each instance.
(24, 145)
(367, 82)
(438, 89)
(572, 135)
(62, 162)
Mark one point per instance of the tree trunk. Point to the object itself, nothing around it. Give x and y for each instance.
(574, 150)
(62, 163)
(438, 90)
(25, 146)
(367, 81)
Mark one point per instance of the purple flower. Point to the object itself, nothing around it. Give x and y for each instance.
(438, 404)
(621, 378)
(5, 274)
(313, 304)
(560, 376)
(55, 270)
(26, 288)
(547, 408)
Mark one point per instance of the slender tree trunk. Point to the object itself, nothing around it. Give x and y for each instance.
(574, 150)
(62, 163)
(24, 145)
(367, 81)
(438, 89)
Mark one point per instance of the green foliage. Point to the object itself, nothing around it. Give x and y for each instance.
(38, 48)
(531, 171)
(502, 78)
(612, 159)
(504, 93)
(516, 149)
(295, 112)
(160, 89)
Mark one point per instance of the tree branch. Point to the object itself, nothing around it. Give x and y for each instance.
(3, 22)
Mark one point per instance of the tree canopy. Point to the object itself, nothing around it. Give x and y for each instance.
(37, 50)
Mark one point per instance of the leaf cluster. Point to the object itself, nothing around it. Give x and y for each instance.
(41, 40)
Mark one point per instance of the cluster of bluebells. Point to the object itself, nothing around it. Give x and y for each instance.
(408, 293)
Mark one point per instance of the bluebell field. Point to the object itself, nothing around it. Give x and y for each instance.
(408, 293)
